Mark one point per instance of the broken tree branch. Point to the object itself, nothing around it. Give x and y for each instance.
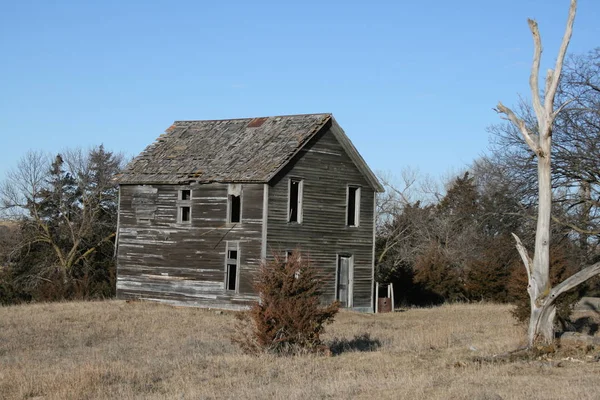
(535, 69)
(549, 99)
(524, 255)
(518, 122)
(574, 280)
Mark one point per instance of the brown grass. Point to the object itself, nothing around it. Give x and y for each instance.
(118, 350)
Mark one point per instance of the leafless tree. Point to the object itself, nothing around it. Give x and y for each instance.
(67, 205)
(399, 213)
(575, 151)
(542, 295)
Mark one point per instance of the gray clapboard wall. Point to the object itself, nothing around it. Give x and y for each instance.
(326, 171)
(161, 259)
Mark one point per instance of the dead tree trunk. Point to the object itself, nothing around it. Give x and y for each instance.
(542, 295)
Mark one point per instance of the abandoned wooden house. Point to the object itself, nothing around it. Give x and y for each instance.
(201, 207)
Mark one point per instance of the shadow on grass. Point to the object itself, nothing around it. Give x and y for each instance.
(359, 343)
(585, 325)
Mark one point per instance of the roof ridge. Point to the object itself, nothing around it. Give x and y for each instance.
(246, 118)
(223, 150)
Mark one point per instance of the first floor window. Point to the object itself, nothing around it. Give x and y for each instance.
(289, 257)
(231, 266)
(185, 214)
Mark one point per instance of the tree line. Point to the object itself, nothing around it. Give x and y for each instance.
(454, 244)
(58, 238)
(459, 246)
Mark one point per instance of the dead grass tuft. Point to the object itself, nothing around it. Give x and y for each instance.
(113, 349)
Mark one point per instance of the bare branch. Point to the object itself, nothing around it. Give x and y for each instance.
(551, 92)
(535, 69)
(574, 280)
(524, 255)
(518, 122)
(561, 107)
(575, 227)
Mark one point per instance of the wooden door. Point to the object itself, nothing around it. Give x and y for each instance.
(344, 281)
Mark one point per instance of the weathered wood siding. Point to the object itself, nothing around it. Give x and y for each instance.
(326, 171)
(161, 259)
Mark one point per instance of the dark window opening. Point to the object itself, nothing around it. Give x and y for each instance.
(352, 209)
(185, 214)
(232, 256)
(295, 200)
(235, 208)
(288, 255)
(186, 195)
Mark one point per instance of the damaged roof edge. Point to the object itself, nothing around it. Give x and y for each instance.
(151, 166)
(316, 129)
(348, 147)
(355, 156)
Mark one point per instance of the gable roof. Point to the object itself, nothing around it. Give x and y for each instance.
(232, 150)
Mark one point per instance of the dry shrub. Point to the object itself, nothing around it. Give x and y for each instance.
(489, 272)
(438, 274)
(288, 319)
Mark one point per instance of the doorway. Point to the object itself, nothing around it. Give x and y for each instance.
(345, 280)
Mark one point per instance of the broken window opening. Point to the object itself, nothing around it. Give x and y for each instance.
(185, 214)
(289, 255)
(353, 206)
(235, 208)
(231, 265)
(185, 194)
(295, 201)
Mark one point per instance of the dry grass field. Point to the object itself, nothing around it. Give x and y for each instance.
(118, 350)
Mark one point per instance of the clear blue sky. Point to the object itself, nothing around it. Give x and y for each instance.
(413, 83)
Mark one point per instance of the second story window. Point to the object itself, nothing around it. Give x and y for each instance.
(234, 203)
(185, 194)
(235, 208)
(353, 206)
(184, 206)
(295, 201)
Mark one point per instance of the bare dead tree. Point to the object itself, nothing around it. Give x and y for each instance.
(404, 195)
(542, 295)
(575, 170)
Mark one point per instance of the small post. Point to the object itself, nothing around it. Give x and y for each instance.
(376, 297)
(391, 294)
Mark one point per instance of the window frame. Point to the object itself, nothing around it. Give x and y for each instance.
(299, 203)
(181, 194)
(357, 197)
(232, 246)
(184, 203)
(234, 190)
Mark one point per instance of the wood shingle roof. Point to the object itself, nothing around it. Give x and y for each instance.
(232, 150)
